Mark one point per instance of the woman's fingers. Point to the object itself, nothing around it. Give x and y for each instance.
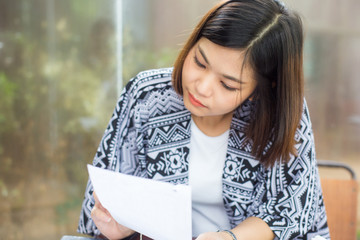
(95, 197)
(99, 212)
(106, 224)
(98, 203)
(100, 215)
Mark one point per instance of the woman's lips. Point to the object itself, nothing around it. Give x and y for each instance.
(195, 102)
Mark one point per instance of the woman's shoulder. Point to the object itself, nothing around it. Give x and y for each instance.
(305, 121)
(151, 87)
(150, 77)
(155, 73)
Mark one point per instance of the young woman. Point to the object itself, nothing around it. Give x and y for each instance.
(230, 120)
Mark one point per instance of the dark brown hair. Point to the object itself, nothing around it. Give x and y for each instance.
(272, 37)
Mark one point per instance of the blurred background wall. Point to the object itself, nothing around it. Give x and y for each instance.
(63, 64)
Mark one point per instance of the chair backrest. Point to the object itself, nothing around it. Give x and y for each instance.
(340, 197)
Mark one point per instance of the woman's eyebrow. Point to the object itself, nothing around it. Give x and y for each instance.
(203, 54)
(224, 75)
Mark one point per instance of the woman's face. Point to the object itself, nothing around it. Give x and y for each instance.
(212, 81)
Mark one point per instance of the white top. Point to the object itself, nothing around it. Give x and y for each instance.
(206, 163)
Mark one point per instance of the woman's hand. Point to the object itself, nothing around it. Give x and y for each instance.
(214, 236)
(106, 223)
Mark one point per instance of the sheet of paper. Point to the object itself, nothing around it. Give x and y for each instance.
(159, 210)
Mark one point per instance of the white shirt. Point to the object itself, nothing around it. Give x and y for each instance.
(206, 163)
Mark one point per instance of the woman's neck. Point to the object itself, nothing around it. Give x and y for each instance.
(213, 126)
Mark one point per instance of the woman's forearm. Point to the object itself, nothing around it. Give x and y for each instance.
(253, 228)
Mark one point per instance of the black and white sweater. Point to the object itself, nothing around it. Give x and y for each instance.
(149, 136)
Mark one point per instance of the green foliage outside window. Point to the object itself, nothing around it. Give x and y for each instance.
(57, 93)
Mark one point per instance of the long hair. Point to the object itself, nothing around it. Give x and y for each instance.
(272, 38)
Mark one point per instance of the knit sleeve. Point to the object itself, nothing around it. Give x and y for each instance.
(290, 198)
(117, 151)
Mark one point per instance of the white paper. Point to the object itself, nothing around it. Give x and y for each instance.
(159, 210)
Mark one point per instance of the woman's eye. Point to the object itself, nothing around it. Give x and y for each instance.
(198, 62)
(227, 87)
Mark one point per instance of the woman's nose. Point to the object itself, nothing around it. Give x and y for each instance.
(205, 85)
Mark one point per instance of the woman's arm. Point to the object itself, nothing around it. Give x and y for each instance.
(111, 151)
(252, 228)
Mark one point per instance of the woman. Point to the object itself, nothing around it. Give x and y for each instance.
(230, 120)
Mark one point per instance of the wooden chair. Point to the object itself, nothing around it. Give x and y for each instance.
(340, 197)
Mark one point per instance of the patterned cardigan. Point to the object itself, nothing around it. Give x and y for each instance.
(149, 136)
